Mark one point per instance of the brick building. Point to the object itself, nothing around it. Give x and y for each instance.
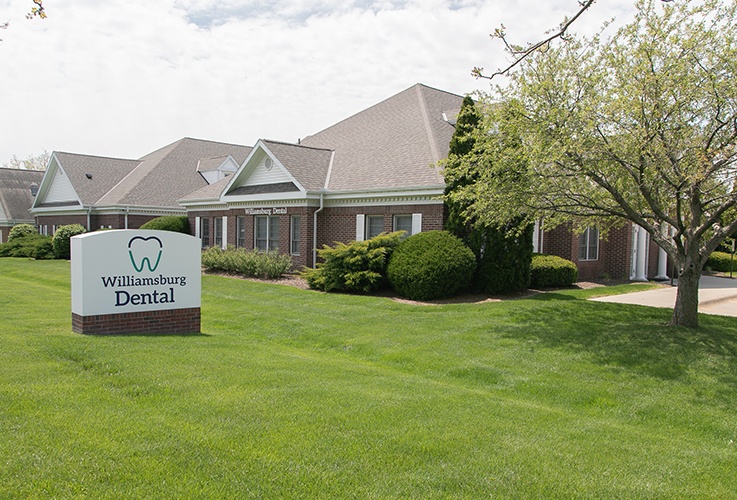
(373, 172)
(99, 192)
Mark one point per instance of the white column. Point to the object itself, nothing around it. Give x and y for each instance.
(640, 267)
(663, 259)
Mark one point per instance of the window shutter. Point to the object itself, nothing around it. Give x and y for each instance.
(416, 223)
(360, 227)
(197, 227)
(225, 232)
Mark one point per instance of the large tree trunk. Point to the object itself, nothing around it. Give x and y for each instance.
(686, 310)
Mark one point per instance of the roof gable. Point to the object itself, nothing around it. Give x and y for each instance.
(277, 167)
(392, 144)
(15, 193)
(80, 179)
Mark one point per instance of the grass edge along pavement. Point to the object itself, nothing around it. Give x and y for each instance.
(293, 393)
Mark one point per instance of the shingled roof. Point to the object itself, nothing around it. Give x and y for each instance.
(392, 144)
(158, 179)
(15, 194)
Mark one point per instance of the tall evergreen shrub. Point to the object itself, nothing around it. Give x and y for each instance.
(61, 241)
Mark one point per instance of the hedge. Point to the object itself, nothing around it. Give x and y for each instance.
(174, 223)
(33, 246)
(431, 265)
(552, 271)
(720, 261)
(251, 263)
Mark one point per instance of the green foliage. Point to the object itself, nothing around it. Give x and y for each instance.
(357, 267)
(174, 223)
(504, 258)
(34, 246)
(552, 271)
(61, 241)
(21, 230)
(721, 261)
(628, 127)
(290, 393)
(431, 265)
(251, 263)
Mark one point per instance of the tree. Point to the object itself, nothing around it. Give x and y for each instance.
(641, 127)
(504, 251)
(37, 11)
(37, 162)
(520, 53)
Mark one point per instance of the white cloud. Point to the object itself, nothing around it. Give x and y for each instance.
(125, 77)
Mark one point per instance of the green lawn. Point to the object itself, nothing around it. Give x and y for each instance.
(297, 394)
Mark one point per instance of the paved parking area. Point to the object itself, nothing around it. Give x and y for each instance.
(716, 296)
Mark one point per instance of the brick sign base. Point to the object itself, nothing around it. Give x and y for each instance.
(171, 321)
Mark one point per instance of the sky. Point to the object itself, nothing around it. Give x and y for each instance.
(122, 78)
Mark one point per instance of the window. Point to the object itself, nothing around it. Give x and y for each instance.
(374, 225)
(403, 223)
(205, 231)
(218, 231)
(240, 227)
(267, 232)
(588, 244)
(294, 240)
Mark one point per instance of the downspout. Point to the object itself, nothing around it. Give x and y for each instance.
(126, 216)
(322, 205)
(89, 221)
(314, 230)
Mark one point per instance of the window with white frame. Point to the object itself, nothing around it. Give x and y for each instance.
(404, 223)
(218, 231)
(266, 232)
(205, 232)
(374, 225)
(240, 228)
(294, 239)
(588, 244)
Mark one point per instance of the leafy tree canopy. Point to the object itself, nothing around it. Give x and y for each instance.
(639, 127)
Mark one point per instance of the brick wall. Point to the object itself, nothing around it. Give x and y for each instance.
(173, 321)
(614, 252)
(334, 224)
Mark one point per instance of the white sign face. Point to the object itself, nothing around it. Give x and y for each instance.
(123, 271)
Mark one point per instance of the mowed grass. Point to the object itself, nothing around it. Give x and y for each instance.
(298, 394)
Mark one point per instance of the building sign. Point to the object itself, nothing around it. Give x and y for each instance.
(266, 211)
(134, 271)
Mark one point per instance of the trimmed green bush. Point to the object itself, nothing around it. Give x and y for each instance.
(33, 246)
(720, 261)
(358, 267)
(504, 258)
(431, 265)
(174, 223)
(251, 263)
(61, 239)
(21, 230)
(552, 271)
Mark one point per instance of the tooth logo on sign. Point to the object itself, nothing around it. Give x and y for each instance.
(144, 251)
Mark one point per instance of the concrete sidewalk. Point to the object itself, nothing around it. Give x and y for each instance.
(716, 296)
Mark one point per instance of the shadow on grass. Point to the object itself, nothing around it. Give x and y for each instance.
(108, 335)
(632, 337)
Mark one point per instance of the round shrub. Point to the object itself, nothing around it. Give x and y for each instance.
(552, 271)
(720, 261)
(174, 223)
(61, 239)
(34, 246)
(20, 231)
(431, 265)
